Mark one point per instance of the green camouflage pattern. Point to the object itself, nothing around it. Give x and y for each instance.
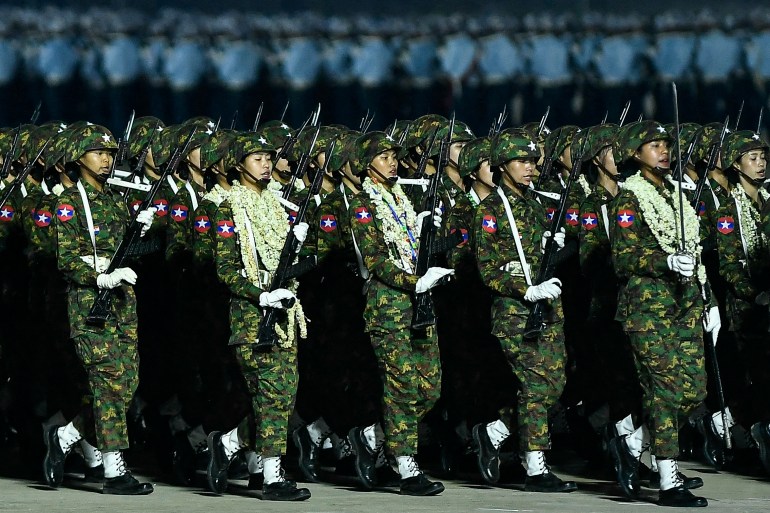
(369, 146)
(163, 144)
(473, 154)
(88, 138)
(141, 133)
(217, 147)
(738, 143)
(276, 132)
(423, 129)
(325, 137)
(55, 151)
(344, 150)
(539, 367)
(559, 140)
(461, 133)
(687, 131)
(108, 354)
(595, 251)
(707, 137)
(38, 137)
(251, 142)
(24, 132)
(632, 136)
(599, 137)
(533, 129)
(513, 143)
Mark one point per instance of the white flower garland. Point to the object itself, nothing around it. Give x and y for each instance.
(662, 217)
(394, 233)
(749, 217)
(269, 226)
(217, 194)
(585, 185)
(275, 185)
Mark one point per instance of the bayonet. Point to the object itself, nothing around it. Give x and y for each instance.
(624, 113)
(255, 126)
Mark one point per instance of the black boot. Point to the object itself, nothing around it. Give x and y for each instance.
(691, 483)
(94, 474)
(126, 485)
(183, 459)
(760, 432)
(216, 473)
(420, 485)
(284, 491)
(53, 463)
(626, 466)
(548, 482)
(308, 453)
(365, 458)
(256, 481)
(386, 476)
(681, 497)
(487, 455)
(713, 445)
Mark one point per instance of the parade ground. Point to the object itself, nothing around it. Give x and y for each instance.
(726, 493)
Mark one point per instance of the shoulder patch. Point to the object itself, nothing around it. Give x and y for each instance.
(464, 234)
(6, 214)
(162, 206)
(549, 213)
(292, 217)
(225, 229)
(725, 225)
(572, 217)
(42, 218)
(363, 215)
(65, 212)
(701, 208)
(202, 224)
(590, 221)
(179, 213)
(489, 224)
(135, 205)
(626, 218)
(328, 223)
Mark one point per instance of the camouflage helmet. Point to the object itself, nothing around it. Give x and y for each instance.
(513, 143)
(88, 138)
(276, 132)
(398, 130)
(142, 132)
(248, 143)
(423, 129)
(738, 143)
(39, 137)
(326, 135)
(24, 133)
(473, 154)
(599, 136)
(217, 147)
(707, 137)
(205, 122)
(460, 133)
(533, 128)
(344, 150)
(559, 140)
(687, 131)
(633, 136)
(369, 146)
(55, 151)
(163, 144)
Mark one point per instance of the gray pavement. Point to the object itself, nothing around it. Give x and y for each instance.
(726, 492)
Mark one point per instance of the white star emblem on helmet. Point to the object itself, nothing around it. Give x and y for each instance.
(262, 140)
(532, 145)
(106, 138)
(755, 137)
(661, 129)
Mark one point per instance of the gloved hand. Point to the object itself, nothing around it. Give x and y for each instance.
(114, 279)
(436, 219)
(145, 217)
(275, 298)
(558, 239)
(431, 277)
(682, 264)
(550, 289)
(712, 322)
(300, 231)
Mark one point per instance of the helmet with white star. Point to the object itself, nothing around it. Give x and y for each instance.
(738, 143)
(513, 143)
(89, 138)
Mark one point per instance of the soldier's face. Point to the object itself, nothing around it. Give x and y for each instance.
(566, 157)
(454, 151)
(386, 164)
(484, 174)
(753, 164)
(606, 160)
(97, 163)
(654, 154)
(520, 171)
(257, 166)
(194, 157)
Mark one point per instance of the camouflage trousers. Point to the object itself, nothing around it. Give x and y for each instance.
(111, 361)
(670, 364)
(271, 382)
(539, 368)
(410, 370)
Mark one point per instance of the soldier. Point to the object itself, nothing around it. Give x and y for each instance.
(91, 221)
(509, 231)
(743, 249)
(660, 303)
(250, 230)
(386, 227)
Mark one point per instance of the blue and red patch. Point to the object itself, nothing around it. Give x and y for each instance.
(42, 218)
(6, 214)
(363, 215)
(65, 212)
(626, 218)
(572, 217)
(162, 206)
(489, 224)
(225, 229)
(590, 221)
(202, 224)
(725, 225)
(328, 223)
(179, 213)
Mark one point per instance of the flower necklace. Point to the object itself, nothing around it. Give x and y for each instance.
(398, 221)
(749, 215)
(217, 194)
(584, 185)
(662, 217)
(262, 219)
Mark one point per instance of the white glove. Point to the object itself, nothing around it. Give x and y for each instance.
(682, 264)
(550, 289)
(145, 217)
(558, 239)
(712, 322)
(431, 277)
(116, 277)
(436, 219)
(275, 298)
(300, 231)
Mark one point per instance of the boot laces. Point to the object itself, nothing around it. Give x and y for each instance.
(121, 465)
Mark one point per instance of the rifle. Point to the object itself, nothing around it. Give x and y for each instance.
(424, 315)
(424, 157)
(541, 126)
(366, 122)
(285, 108)
(8, 160)
(36, 113)
(266, 336)
(711, 163)
(234, 120)
(259, 116)
(547, 165)
(680, 170)
(738, 118)
(712, 349)
(138, 168)
(624, 113)
(535, 322)
(120, 155)
(497, 123)
(759, 122)
(21, 176)
(291, 140)
(301, 166)
(100, 310)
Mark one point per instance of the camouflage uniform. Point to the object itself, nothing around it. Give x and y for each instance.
(537, 364)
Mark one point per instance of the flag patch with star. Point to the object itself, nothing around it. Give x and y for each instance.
(42, 218)
(464, 233)
(135, 205)
(489, 224)
(549, 213)
(179, 213)
(328, 223)
(225, 228)
(626, 218)
(202, 224)
(162, 206)
(363, 215)
(725, 225)
(590, 221)
(65, 212)
(292, 217)
(572, 217)
(6, 214)
(701, 208)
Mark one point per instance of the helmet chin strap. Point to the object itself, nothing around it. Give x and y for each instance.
(757, 182)
(522, 187)
(615, 178)
(388, 179)
(482, 182)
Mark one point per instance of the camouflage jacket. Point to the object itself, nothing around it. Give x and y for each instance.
(650, 294)
(179, 227)
(39, 227)
(458, 216)
(498, 259)
(596, 221)
(329, 233)
(11, 219)
(745, 277)
(707, 211)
